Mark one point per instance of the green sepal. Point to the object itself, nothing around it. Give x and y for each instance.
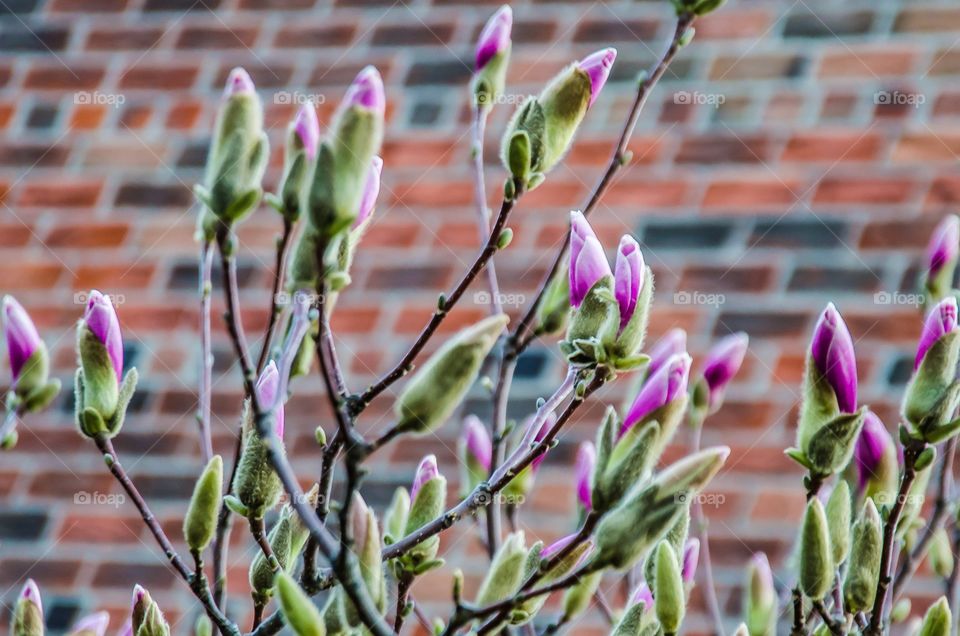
(797, 455)
(127, 388)
(629, 463)
(838, 521)
(236, 506)
(630, 339)
(506, 571)
(395, 517)
(669, 596)
(925, 458)
(528, 119)
(707, 6)
(816, 562)
(593, 325)
(42, 396)
(428, 504)
(831, 448)
(300, 613)
(931, 396)
(938, 619)
(91, 424)
(200, 522)
(553, 311)
(577, 598)
(518, 156)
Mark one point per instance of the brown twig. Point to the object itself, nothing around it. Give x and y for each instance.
(831, 624)
(206, 363)
(480, 113)
(699, 523)
(283, 250)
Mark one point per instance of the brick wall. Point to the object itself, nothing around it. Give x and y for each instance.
(797, 151)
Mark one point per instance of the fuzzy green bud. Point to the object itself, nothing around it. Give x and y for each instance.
(816, 562)
(428, 502)
(201, 520)
(838, 520)
(506, 571)
(28, 612)
(577, 598)
(760, 601)
(931, 396)
(941, 555)
(937, 620)
(395, 517)
(297, 608)
(441, 384)
(553, 311)
(153, 623)
(860, 584)
(257, 487)
(670, 599)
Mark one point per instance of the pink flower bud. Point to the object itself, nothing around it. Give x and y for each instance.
(358, 522)
(586, 460)
(628, 277)
(371, 188)
(944, 244)
(588, 263)
(723, 362)
(832, 352)
(22, 336)
(31, 594)
(873, 443)
(941, 320)
(476, 441)
(307, 128)
(238, 82)
(672, 343)
(426, 471)
(560, 544)
(643, 594)
(366, 91)
(268, 386)
(92, 625)
(661, 388)
(101, 319)
(495, 37)
(597, 67)
(691, 557)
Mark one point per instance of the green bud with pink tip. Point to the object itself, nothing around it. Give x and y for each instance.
(28, 612)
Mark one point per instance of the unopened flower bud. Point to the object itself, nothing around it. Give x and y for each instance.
(303, 136)
(586, 463)
(597, 67)
(146, 617)
(876, 460)
(670, 600)
(937, 621)
(633, 290)
(668, 384)
(395, 517)
(941, 258)
(201, 520)
(931, 397)
(268, 388)
(577, 598)
(257, 487)
(691, 558)
(506, 571)
(371, 190)
(838, 521)
(28, 612)
(439, 386)
(91, 625)
(941, 555)
(428, 495)
(831, 351)
(722, 363)
(492, 55)
(761, 599)
(816, 562)
(25, 349)
(300, 613)
(588, 263)
(475, 451)
(307, 129)
(672, 343)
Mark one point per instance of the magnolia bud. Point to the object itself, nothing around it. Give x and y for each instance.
(577, 598)
(588, 263)
(493, 52)
(91, 625)
(303, 136)
(522, 483)
(237, 158)
(838, 520)
(336, 186)
(829, 419)
(537, 558)
(672, 343)
(428, 495)
(433, 393)
(940, 555)
(665, 387)
(286, 540)
(395, 517)
(647, 514)
(28, 612)
(816, 563)
(937, 620)
(29, 360)
(371, 189)
(366, 545)
(553, 311)
(586, 463)
(633, 289)
(201, 520)
(475, 451)
(760, 602)
(722, 363)
(900, 611)
(506, 571)
(638, 619)
(146, 616)
(670, 600)
(691, 558)
(941, 258)
(931, 397)
(139, 603)
(299, 611)
(876, 461)
(257, 487)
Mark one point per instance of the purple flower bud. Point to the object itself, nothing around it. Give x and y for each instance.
(873, 442)
(661, 388)
(643, 594)
(495, 37)
(723, 362)
(548, 423)
(238, 82)
(31, 594)
(139, 596)
(476, 441)
(944, 244)
(586, 460)
(588, 263)
(268, 387)
(674, 342)
(691, 557)
(560, 544)
(426, 471)
(92, 625)
(941, 320)
(597, 67)
(366, 91)
(628, 278)
(371, 188)
(22, 336)
(307, 128)
(101, 319)
(832, 352)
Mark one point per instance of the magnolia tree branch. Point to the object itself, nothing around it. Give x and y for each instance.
(276, 308)
(206, 357)
(480, 113)
(195, 579)
(699, 524)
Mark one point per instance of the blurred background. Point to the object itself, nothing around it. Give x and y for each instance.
(798, 151)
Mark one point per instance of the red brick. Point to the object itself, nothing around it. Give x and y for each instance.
(926, 147)
(635, 194)
(165, 77)
(60, 193)
(863, 62)
(751, 194)
(833, 146)
(853, 190)
(87, 235)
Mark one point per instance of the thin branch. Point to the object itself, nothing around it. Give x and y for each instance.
(403, 589)
(195, 579)
(480, 113)
(501, 398)
(799, 624)
(276, 308)
(206, 361)
(699, 523)
(831, 624)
